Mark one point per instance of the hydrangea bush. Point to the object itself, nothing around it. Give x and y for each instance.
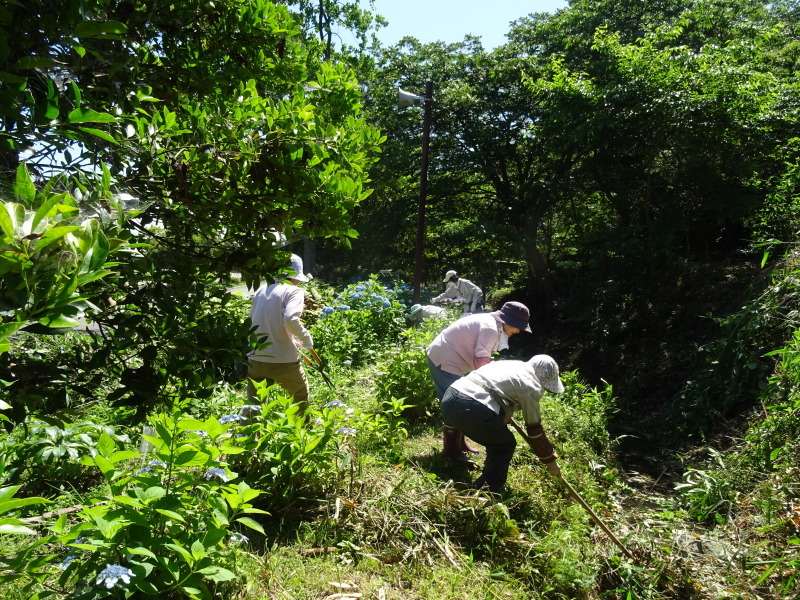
(285, 452)
(362, 319)
(402, 374)
(161, 527)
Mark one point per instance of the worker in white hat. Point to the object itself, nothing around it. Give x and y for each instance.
(482, 403)
(458, 288)
(275, 312)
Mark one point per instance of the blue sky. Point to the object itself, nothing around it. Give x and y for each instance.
(450, 20)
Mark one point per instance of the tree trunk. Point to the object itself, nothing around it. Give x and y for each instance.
(529, 234)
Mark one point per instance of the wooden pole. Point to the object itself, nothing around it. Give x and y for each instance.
(423, 191)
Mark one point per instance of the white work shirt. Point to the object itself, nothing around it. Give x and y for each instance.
(429, 312)
(463, 288)
(276, 312)
(509, 383)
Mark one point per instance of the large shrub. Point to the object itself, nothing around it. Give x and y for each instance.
(362, 319)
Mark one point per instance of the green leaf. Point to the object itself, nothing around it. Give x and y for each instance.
(106, 445)
(100, 133)
(187, 556)
(215, 573)
(6, 220)
(251, 523)
(80, 115)
(76, 92)
(128, 501)
(198, 550)
(53, 235)
(105, 466)
(24, 190)
(9, 329)
(191, 424)
(60, 525)
(8, 492)
(192, 592)
(34, 62)
(139, 550)
(56, 321)
(123, 455)
(8, 505)
(164, 434)
(88, 29)
(151, 493)
(44, 210)
(171, 514)
(191, 457)
(255, 511)
(12, 79)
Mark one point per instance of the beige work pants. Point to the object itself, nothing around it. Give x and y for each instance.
(290, 376)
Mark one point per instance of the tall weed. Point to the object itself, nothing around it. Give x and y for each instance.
(402, 373)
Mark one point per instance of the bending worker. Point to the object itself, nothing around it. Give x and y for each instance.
(468, 344)
(418, 313)
(460, 288)
(482, 404)
(276, 311)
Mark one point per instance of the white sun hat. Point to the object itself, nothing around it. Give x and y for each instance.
(296, 270)
(546, 371)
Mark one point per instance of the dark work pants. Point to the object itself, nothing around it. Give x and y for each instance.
(480, 423)
(441, 379)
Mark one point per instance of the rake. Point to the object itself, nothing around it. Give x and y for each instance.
(579, 499)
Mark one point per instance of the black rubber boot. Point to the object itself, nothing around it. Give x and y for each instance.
(493, 477)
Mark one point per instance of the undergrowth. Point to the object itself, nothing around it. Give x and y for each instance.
(212, 501)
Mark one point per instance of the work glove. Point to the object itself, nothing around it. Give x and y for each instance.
(553, 469)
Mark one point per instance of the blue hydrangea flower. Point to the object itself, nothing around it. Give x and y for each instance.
(360, 288)
(238, 538)
(386, 304)
(157, 463)
(346, 431)
(327, 310)
(113, 573)
(335, 403)
(252, 407)
(367, 303)
(67, 562)
(343, 307)
(216, 472)
(231, 419)
(143, 471)
(356, 296)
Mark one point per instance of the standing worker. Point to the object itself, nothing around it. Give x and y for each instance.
(460, 288)
(468, 344)
(482, 404)
(276, 312)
